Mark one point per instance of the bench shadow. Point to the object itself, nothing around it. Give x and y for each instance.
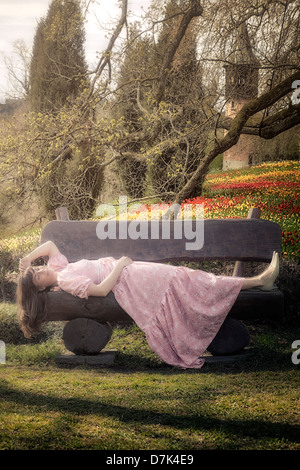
(131, 415)
(256, 359)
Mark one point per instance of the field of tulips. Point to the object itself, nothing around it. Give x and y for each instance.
(272, 187)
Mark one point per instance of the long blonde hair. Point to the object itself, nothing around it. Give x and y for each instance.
(32, 304)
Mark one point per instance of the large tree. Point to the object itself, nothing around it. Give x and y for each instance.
(183, 92)
(58, 84)
(58, 68)
(137, 101)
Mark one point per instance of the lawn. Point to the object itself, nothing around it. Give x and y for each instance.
(140, 403)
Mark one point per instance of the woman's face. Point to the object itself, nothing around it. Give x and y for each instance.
(44, 277)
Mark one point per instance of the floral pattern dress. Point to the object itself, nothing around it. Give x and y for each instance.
(179, 309)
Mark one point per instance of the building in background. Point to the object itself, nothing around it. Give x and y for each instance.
(241, 85)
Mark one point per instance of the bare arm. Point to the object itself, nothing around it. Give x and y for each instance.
(47, 249)
(102, 289)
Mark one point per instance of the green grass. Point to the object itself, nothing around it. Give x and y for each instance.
(140, 403)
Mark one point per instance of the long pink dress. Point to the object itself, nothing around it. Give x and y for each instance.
(179, 309)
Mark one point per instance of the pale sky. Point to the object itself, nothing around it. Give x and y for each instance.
(19, 18)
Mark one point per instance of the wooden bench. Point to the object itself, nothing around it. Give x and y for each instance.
(239, 240)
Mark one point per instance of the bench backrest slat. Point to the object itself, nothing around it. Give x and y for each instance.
(224, 239)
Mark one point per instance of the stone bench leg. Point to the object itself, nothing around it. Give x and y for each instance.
(84, 336)
(232, 337)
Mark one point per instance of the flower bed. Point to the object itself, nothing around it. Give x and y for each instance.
(272, 187)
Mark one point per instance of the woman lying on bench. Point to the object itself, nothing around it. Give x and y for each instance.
(179, 309)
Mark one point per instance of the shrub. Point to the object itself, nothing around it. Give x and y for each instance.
(11, 333)
(11, 250)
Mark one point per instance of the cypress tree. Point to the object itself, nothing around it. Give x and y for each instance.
(134, 68)
(71, 173)
(169, 170)
(58, 67)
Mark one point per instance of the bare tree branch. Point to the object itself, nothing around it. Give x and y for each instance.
(106, 56)
(271, 126)
(236, 128)
(194, 11)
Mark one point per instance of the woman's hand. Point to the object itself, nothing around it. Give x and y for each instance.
(24, 263)
(46, 249)
(102, 289)
(124, 261)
